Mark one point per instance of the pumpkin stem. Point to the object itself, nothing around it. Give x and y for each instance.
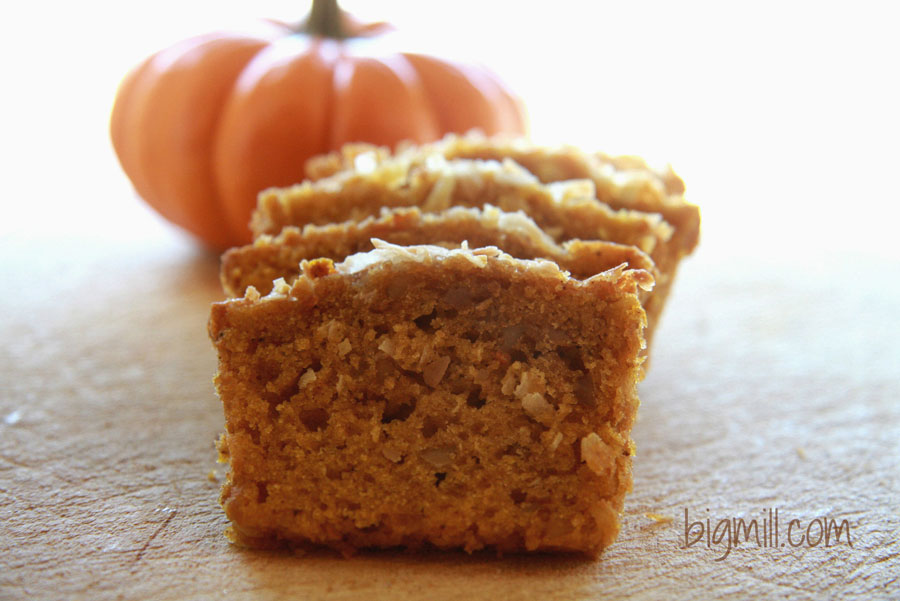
(325, 19)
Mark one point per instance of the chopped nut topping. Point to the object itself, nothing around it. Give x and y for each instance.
(279, 286)
(434, 371)
(386, 346)
(530, 382)
(476, 260)
(439, 198)
(556, 440)
(597, 454)
(438, 457)
(308, 377)
(252, 294)
(392, 454)
(335, 330)
(508, 383)
(536, 406)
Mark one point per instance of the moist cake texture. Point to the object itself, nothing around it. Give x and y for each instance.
(269, 258)
(419, 395)
(564, 210)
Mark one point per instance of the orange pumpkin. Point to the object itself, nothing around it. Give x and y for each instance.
(202, 127)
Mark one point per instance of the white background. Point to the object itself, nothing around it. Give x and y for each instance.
(781, 116)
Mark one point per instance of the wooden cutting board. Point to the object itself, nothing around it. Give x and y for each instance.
(774, 385)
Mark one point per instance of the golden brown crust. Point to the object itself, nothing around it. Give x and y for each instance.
(269, 258)
(564, 210)
(428, 396)
(622, 182)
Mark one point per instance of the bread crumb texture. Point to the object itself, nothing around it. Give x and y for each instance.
(439, 345)
(424, 396)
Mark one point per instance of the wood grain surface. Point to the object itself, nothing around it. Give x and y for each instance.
(774, 385)
(776, 370)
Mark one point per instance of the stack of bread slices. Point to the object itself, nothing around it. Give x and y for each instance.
(438, 345)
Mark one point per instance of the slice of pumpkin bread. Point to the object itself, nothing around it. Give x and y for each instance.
(622, 182)
(565, 210)
(268, 258)
(414, 396)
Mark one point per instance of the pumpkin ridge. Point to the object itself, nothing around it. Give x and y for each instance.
(379, 98)
(460, 97)
(199, 148)
(150, 120)
(121, 124)
(337, 57)
(184, 182)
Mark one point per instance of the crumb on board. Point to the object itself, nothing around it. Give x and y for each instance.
(212, 476)
(801, 452)
(659, 518)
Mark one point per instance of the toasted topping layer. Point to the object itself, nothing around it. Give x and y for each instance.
(384, 253)
(565, 211)
(270, 257)
(558, 162)
(620, 181)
